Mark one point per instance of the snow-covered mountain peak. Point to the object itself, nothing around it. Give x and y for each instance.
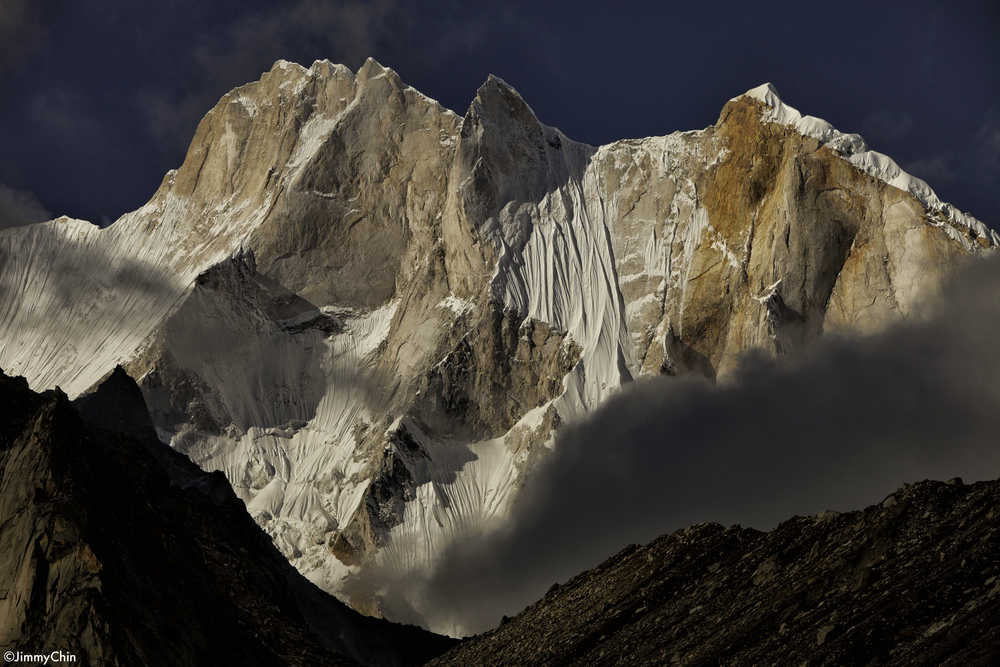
(766, 93)
(372, 314)
(785, 114)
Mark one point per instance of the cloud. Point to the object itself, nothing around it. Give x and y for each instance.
(421, 38)
(843, 429)
(62, 112)
(887, 126)
(18, 208)
(988, 144)
(932, 170)
(21, 32)
(346, 30)
(237, 52)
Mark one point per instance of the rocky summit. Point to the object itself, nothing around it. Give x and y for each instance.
(372, 314)
(912, 581)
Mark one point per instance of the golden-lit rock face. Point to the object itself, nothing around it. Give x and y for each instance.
(765, 245)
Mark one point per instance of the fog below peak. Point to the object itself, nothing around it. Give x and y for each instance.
(839, 429)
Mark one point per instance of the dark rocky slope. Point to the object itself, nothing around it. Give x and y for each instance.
(102, 557)
(913, 581)
(117, 404)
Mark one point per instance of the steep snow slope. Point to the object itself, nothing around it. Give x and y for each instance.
(78, 299)
(69, 289)
(372, 315)
(555, 260)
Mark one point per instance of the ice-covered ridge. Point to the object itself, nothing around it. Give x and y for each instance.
(855, 150)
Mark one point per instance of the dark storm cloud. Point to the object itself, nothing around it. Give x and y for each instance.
(842, 430)
(19, 208)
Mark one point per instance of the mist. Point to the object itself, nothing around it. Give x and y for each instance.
(840, 429)
(19, 208)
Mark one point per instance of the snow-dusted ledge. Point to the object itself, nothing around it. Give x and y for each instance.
(853, 148)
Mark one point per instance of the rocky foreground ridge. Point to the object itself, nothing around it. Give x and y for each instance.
(912, 581)
(373, 314)
(105, 558)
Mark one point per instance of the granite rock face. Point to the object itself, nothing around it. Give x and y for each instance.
(914, 580)
(751, 235)
(372, 314)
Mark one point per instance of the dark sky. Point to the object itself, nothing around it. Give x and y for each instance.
(99, 99)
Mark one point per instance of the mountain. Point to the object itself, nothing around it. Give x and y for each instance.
(107, 558)
(117, 404)
(911, 581)
(373, 315)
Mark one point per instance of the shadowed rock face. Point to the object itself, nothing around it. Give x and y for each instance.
(504, 367)
(104, 558)
(912, 581)
(118, 405)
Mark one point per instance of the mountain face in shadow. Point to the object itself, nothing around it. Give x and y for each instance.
(914, 580)
(106, 558)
